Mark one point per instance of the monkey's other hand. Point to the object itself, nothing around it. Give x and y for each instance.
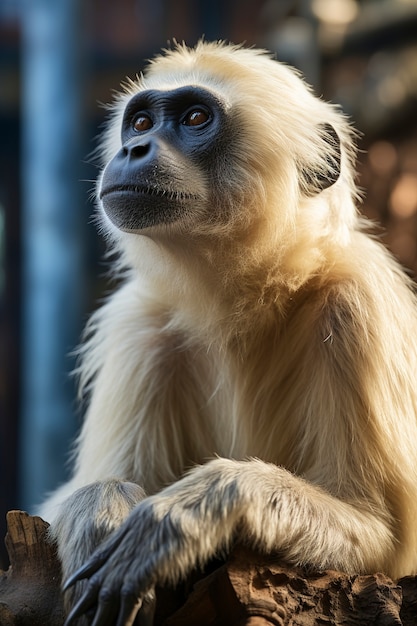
(160, 542)
(122, 572)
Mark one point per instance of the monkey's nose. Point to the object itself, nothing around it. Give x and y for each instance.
(137, 150)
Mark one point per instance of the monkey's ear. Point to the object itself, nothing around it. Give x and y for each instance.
(314, 182)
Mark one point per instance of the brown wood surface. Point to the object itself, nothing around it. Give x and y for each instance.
(247, 590)
(30, 589)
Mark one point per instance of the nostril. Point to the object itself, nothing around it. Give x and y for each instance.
(139, 151)
(135, 150)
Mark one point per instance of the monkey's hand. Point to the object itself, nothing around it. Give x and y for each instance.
(161, 541)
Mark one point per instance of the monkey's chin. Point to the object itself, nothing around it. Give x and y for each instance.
(136, 210)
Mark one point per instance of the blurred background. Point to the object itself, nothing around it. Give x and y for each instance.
(59, 60)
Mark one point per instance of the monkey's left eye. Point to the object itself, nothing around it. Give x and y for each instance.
(196, 117)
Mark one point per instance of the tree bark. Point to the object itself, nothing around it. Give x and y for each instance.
(30, 589)
(249, 589)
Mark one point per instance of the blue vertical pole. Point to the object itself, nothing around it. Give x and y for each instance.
(52, 226)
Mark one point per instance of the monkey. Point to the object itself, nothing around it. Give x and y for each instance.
(252, 379)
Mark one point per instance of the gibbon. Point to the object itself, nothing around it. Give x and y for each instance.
(254, 377)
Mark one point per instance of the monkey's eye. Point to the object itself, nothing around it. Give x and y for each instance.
(142, 122)
(196, 117)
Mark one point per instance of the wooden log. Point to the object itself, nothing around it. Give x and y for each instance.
(247, 590)
(255, 590)
(30, 589)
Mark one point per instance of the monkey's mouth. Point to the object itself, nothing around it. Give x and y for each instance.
(147, 190)
(135, 207)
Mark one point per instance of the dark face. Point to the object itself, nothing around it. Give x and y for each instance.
(169, 158)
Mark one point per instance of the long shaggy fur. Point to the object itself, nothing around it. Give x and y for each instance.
(256, 372)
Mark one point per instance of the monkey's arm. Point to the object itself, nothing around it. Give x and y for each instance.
(170, 533)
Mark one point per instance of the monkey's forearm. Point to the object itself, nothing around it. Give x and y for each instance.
(275, 510)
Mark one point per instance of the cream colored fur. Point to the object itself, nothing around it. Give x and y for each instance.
(278, 336)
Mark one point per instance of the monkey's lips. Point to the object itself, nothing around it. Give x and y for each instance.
(147, 190)
(135, 207)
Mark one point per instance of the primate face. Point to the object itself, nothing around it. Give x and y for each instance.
(188, 155)
(171, 141)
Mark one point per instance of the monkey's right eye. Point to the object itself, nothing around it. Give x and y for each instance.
(142, 122)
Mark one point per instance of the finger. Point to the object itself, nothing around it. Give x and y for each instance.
(85, 571)
(86, 602)
(145, 617)
(108, 605)
(129, 607)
